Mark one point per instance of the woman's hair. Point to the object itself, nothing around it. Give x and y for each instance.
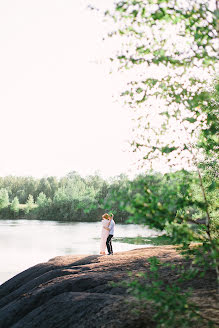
(106, 216)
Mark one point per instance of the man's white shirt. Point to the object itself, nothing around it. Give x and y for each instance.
(111, 227)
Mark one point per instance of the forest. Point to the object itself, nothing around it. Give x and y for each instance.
(77, 198)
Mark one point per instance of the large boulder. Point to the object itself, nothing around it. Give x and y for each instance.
(76, 291)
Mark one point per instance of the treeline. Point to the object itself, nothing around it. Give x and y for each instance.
(70, 198)
(75, 198)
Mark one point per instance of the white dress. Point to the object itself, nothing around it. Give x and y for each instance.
(104, 235)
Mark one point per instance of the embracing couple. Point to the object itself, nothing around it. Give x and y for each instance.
(107, 233)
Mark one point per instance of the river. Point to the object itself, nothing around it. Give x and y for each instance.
(24, 243)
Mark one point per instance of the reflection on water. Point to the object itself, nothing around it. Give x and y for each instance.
(25, 243)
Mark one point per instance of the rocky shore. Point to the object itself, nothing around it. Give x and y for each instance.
(74, 291)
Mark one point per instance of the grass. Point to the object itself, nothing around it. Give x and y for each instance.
(155, 241)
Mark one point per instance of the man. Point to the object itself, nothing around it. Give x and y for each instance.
(111, 233)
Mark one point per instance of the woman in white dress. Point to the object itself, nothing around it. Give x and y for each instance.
(104, 233)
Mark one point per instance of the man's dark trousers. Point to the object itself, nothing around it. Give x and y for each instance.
(109, 244)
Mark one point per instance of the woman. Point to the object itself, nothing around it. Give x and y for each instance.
(104, 233)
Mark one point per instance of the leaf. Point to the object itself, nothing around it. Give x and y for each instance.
(139, 90)
(135, 13)
(212, 186)
(121, 57)
(190, 119)
(165, 114)
(143, 50)
(143, 12)
(167, 149)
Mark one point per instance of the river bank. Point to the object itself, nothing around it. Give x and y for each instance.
(74, 291)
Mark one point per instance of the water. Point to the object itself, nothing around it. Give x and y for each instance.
(25, 243)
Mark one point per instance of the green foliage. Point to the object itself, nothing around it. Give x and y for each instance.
(189, 53)
(175, 43)
(70, 198)
(15, 205)
(161, 199)
(118, 195)
(4, 199)
(156, 241)
(29, 204)
(209, 135)
(42, 200)
(172, 308)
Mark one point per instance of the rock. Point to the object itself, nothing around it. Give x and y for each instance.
(75, 291)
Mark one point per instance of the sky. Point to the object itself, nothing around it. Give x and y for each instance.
(58, 109)
(59, 105)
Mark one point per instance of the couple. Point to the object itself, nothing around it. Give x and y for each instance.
(107, 233)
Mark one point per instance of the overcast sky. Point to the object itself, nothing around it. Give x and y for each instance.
(56, 104)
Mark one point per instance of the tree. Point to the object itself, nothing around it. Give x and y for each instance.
(44, 186)
(60, 196)
(29, 204)
(53, 182)
(171, 48)
(42, 200)
(4, 199)
(118, 194)
(15, 205)
(187, 63)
